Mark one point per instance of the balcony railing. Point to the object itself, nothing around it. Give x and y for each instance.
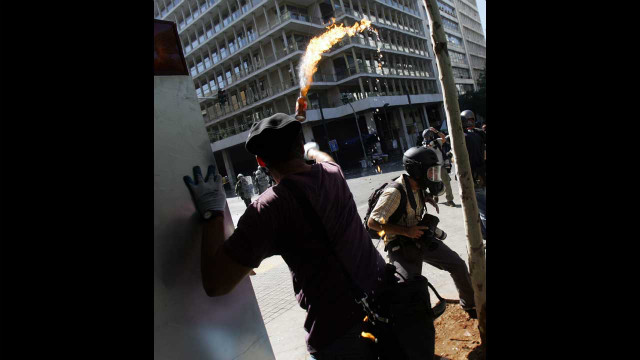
(214, 30)
(384, 45)
(255, 115)
(251, 98)
(379, 21)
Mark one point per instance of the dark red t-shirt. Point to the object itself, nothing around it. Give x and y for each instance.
(274, 225)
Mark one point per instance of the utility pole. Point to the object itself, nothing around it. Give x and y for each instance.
(345, 100)
(406, 91)
(326, 131)
(477, 265)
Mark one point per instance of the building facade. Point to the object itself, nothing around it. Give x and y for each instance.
(466, 42)
(251, 50)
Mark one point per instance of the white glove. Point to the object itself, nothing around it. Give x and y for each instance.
(308, 146)
(208, 193)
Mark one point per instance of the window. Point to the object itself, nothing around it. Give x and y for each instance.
(450, 24)
(464, 88)
(446, 9)
(454, 40)
(461, 73)
(457, 57)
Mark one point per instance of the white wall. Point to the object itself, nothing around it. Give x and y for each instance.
(187, 323)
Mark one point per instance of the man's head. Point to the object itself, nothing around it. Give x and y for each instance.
(276, 140)
(468, 119)
(427, 135)
(423, 165)
(240, 176)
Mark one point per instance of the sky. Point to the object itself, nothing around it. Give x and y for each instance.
(482, 10)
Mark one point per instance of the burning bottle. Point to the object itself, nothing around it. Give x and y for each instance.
(301, 109)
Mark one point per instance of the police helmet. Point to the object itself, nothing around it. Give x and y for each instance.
(240, 175)
(468, 118)
(417, 162)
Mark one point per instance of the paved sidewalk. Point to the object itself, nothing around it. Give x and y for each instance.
(272, 284)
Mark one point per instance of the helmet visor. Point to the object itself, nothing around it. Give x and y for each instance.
(433, 173)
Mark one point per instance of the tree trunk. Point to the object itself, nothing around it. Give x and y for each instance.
(463, 168)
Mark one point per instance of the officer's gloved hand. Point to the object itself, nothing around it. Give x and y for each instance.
(308, 146)
(208, 193)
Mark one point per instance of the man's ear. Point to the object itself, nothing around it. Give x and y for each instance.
(260, 161)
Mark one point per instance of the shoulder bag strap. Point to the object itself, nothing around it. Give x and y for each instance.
(314, 220)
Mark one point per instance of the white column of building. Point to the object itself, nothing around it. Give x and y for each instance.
(286, 100)
(333, 6)
(404, 130)
(273, 46)
(219, 53)
(210, 55)
(255, 24)
(226, 43)
(266, 18)
(293, 72)
(278, 11)
(235, 38)
(442, 113)
(286, 43)
(364, 61)
(231, 174)
(371, 124)
(307, 132)
(355, 60)
(245, 34)
(281, 78)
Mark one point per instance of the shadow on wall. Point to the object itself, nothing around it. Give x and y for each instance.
(181, 249)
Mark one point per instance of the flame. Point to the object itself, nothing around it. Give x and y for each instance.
(381, 233)
(369, 336)
(379, 171)
(322, 43)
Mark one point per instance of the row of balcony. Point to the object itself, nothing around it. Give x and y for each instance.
(252, 96)
(217, 28)
(169, 7)
(372, 44)
(241, 73)
(248, 119)
(193, 15)
(295, 46)
(250, 39)
(380, 21)
(285, 16)
(399, 6)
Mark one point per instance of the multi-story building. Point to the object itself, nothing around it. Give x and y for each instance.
(251, 50)
(466, 42)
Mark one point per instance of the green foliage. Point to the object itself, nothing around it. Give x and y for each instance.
(476, 101)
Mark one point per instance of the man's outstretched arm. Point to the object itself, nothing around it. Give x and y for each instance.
(312, 152)
(220, 274)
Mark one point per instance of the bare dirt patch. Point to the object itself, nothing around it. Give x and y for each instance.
(457, 335)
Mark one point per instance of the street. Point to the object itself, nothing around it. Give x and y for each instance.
(272, 283)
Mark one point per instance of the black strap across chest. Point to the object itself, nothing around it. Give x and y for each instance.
(311, 216)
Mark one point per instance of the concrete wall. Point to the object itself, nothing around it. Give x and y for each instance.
(187, 323)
